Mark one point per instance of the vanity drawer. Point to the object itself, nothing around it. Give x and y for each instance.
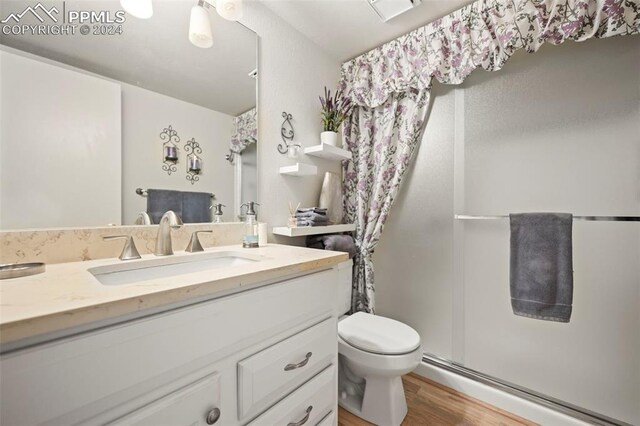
(309, 405)
(328, 420)
(272, 373)
(195, 404)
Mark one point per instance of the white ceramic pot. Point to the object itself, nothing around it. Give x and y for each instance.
(330, 138)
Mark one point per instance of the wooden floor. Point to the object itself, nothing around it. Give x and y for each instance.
(430, 403)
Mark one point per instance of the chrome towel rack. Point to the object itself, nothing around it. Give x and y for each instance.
(586, 218)
(144, 193)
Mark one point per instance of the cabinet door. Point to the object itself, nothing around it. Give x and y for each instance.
(195, 404)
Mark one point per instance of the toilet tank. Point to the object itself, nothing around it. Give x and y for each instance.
(345, 277)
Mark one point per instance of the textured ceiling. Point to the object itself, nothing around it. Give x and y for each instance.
(155, 53)
(347, 28)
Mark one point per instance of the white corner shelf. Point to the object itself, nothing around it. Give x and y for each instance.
(299, 169)
(329, 152)
(301, 231)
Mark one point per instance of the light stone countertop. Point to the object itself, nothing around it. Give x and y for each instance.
(67, 295)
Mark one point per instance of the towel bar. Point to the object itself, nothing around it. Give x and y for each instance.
(143, 192)
(587, 218)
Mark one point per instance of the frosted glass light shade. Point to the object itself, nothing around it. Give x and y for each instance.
(142, 9)
(230, 10)
(200, 27)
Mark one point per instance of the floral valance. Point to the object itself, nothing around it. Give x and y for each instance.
(485, 33)
(245, 132)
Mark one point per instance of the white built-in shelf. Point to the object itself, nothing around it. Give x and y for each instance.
(301, 231)
(299, 169)
(328, 151)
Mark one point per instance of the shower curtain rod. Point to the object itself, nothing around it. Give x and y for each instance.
(587, 218)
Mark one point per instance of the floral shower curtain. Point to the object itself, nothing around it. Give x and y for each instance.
(382, 141)
(390, 87)
(246, 131)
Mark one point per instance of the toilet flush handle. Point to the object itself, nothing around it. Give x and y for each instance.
(302, 363)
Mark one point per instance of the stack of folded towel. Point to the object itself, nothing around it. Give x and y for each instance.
(334, 242)
(312, 216)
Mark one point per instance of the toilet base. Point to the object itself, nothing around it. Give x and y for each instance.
(383, 404)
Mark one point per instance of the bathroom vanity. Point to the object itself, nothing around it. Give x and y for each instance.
(250, 340)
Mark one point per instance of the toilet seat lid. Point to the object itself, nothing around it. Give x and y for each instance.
(373, 333)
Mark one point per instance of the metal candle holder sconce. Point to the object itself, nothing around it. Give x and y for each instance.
(287, 133)
(230, 157)
(194, 162)
(169, 138)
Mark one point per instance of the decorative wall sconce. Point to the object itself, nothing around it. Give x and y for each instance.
(287, 133)
(194, 162)
(231, 156)
(169, 138)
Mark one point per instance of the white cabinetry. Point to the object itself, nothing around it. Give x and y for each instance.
(245, 355)
(195, 404)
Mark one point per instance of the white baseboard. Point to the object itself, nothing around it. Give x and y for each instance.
(505, 401)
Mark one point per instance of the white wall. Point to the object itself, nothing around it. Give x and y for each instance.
(145, 114)
(292, 73)
(558, 130)
(60, 141)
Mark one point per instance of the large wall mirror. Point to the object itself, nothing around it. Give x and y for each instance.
(99, 107)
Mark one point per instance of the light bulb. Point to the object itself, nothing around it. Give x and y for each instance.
(142, 9)
(200, 27)
(229, 9)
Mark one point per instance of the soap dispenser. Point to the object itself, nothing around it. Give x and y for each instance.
(250, 238)
(217, 214)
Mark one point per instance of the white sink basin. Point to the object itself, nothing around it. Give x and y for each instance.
(170, 266)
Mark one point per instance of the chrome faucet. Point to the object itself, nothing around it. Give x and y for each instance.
(130, 251)
(163, 242)
(143, 219)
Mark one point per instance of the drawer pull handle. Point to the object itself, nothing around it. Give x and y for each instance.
(304, 419)
(302, 363)
(213, 416)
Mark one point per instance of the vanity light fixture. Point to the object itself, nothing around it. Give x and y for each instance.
(230, 10)
(142, 9)
(200, 26)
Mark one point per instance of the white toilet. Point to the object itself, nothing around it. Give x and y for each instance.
(374, 353)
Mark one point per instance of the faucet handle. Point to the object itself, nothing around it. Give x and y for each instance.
(129, 251)
(194, 243)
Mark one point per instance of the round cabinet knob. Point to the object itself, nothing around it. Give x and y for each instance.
(213, 416)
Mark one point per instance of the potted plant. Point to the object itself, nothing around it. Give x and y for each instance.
(334, 111)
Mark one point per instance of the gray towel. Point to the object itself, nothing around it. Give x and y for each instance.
(541, 277)
(312, 216)
(196, 207)
(309, 222)
(334, 242)
(159, 201)
(319, 210)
